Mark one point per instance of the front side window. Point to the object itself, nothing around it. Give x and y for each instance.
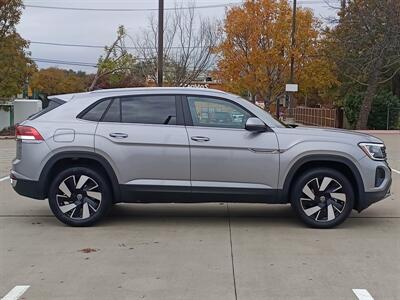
(149, 110)
(212, 112)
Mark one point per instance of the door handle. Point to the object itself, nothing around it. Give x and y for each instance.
(118, 135)
(200, 138)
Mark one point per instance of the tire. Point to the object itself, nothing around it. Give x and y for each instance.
(79, 196)
(322, 197)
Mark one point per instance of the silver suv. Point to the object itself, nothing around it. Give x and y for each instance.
(87, 151)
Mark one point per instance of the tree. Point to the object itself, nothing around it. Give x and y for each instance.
(188, 46)
(54, 81)
(116, 65)
(256, 51)
(15, 65)
(365, 45)
(378, 118)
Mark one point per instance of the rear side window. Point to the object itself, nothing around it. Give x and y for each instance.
(113, 113)
(149, 110)
(96, 112)
(53, 103)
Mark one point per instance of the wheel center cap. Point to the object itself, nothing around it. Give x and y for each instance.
(79, 197)
(322, 198)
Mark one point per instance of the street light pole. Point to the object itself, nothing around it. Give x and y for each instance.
(160, 62)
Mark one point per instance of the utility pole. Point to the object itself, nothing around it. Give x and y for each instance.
(293, 45)
(160, 62)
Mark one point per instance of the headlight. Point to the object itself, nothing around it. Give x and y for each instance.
(374, 150)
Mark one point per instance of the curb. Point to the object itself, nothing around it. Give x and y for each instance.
(379, 131)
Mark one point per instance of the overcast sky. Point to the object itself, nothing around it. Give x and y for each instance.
(99, 27)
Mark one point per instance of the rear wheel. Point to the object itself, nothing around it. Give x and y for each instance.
(322, 197)
(79, 196)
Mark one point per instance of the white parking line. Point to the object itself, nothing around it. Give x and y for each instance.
(396, 171)
(16, 292)
(4, 178)
(362, 294)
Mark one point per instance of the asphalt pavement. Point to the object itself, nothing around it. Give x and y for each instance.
(198, 251)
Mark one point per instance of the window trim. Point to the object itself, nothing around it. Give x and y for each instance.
(178, 108)
(108, 108)
(188, 116)
(83, 112)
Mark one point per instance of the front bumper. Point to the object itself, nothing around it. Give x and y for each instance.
(372, 197)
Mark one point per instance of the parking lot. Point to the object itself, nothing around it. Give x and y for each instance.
(199, 251)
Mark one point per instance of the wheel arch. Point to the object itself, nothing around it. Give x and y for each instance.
(339, 163)
(81, 158)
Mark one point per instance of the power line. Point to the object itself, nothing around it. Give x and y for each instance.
(69, 45)
(102, 47)
(67, 62)
(130, 9)
(64, 62)
(153, 9)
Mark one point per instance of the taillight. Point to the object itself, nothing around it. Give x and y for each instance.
(28, 133)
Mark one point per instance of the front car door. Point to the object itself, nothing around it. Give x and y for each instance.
(145, 139)
(226, 159)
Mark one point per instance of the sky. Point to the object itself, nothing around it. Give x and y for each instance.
(99, 27)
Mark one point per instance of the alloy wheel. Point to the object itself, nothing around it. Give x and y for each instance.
(78, 197)
(323, 199)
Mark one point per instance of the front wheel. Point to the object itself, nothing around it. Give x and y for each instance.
(79, 196)
(322, 197)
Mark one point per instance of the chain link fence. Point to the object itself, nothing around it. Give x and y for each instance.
(392, 118)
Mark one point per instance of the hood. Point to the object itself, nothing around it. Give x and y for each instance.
(327, 134)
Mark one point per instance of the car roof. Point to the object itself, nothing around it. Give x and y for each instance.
(141, 90)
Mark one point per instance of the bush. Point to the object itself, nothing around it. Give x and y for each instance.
(378, 116)
(8, 131)
(352, 106)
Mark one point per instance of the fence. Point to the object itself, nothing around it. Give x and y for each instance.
(323, 117)
(392, 118)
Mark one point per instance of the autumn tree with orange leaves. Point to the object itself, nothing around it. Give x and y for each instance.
(256, 50)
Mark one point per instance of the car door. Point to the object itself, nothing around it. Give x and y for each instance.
(145, 139)
(226, 159)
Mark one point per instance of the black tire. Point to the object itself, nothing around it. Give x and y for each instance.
(77, 204)
(329, 207)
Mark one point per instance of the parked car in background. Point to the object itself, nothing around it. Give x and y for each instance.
(90, 150)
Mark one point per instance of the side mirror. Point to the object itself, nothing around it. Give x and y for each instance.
(255, 125)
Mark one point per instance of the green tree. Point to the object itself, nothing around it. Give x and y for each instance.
(15, 65)
(383, 102)
(365, 45)
(377, 119)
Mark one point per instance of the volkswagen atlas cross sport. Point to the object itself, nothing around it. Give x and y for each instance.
(87, 151)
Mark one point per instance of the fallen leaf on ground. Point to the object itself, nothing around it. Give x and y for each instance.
(88, 250)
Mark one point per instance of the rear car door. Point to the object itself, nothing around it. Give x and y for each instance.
(144, 138)
(226, 159)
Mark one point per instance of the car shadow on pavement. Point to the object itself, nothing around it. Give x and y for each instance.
(215, 213)
(207, 214)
